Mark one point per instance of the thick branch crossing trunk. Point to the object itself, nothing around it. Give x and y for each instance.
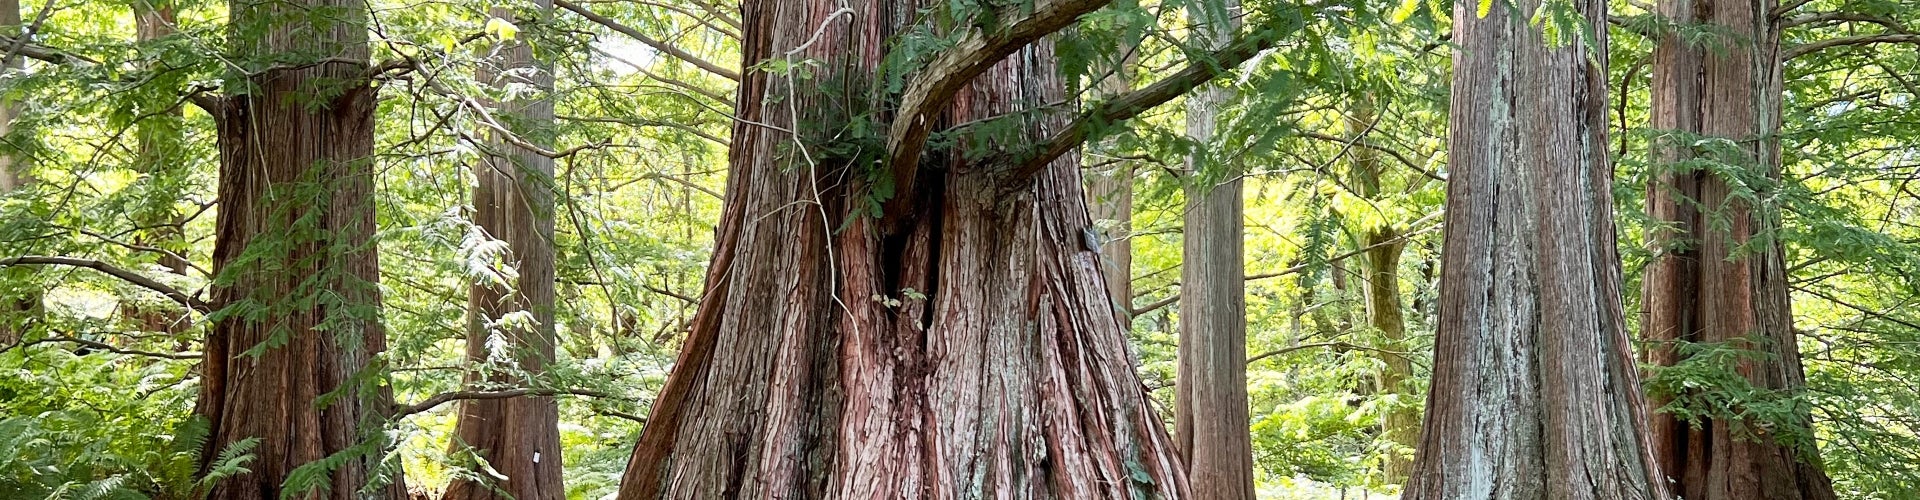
(968, 352)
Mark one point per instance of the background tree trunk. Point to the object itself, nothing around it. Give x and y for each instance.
(1385, 311)
(159, 136)
(1110, 197)
(513, 202)
(291, 359)
(1210, 410)
(969, 352)
(19, 299)
(1534, 392)
(1704, 286)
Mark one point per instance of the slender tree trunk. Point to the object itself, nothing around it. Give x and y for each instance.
(969, 352)
(1210, 410)
(1535, 394)
(291, 361)
(19, 298)
(1385, 313)
(159, 138)
(1703, 286)
(513, 201)
(1110, 197)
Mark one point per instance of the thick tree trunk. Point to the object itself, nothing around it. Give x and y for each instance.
(291, 359)
(969, 352)
(513, 202)
(19, 299)
(1702, 286)
(1210, 404)
(1535, 394)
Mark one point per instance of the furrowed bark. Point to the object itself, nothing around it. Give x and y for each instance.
(971, 353)
(1534, 394)
(292, 358)
(513, 201)
(1701, 287)
(1210, 411)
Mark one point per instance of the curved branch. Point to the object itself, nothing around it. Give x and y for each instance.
(129, 276)
(1133, 103)
(1809, 48)
(1175, 297)
(402, 410)
(649, 41)
(934, 86)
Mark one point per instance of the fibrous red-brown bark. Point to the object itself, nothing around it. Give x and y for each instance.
(1210, 405)
(1708, 283)
(1534, 393)
(290, 359)
(519, 437)
(969, 351)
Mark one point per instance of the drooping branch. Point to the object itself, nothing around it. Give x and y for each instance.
(129, 276)
(1133, 103)
(1809, 48)
(935, 85)
(659, 45)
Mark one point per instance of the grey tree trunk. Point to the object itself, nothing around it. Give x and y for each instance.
(1210, 405)
(1704, 285)
(291, 361)
(1534, 395)
(514, 202)
(19, 299)
(1385, 312)
(159, 138)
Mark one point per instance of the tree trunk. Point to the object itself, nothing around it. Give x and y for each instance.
(159, 136)
(1110, 198)
(1210, 410)
(19, 297)
(1385, 313)
(513, 202)
(291, 361)
(1534, 394)
(1703, 287)
(968, 352)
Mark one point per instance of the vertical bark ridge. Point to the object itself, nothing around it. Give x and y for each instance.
(292, 357)
(513, 201)
(1705, 285)
(1534, 393)
(813, 371)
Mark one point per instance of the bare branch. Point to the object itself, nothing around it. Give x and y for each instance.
(1822, 17)
(402, 410)
(1175, 297)
(1131, 104)
(649, 41)
(129, 276)
(1809, 48)
(1348, 345)
(110, 348)
(1376, 147)
(935, 85)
